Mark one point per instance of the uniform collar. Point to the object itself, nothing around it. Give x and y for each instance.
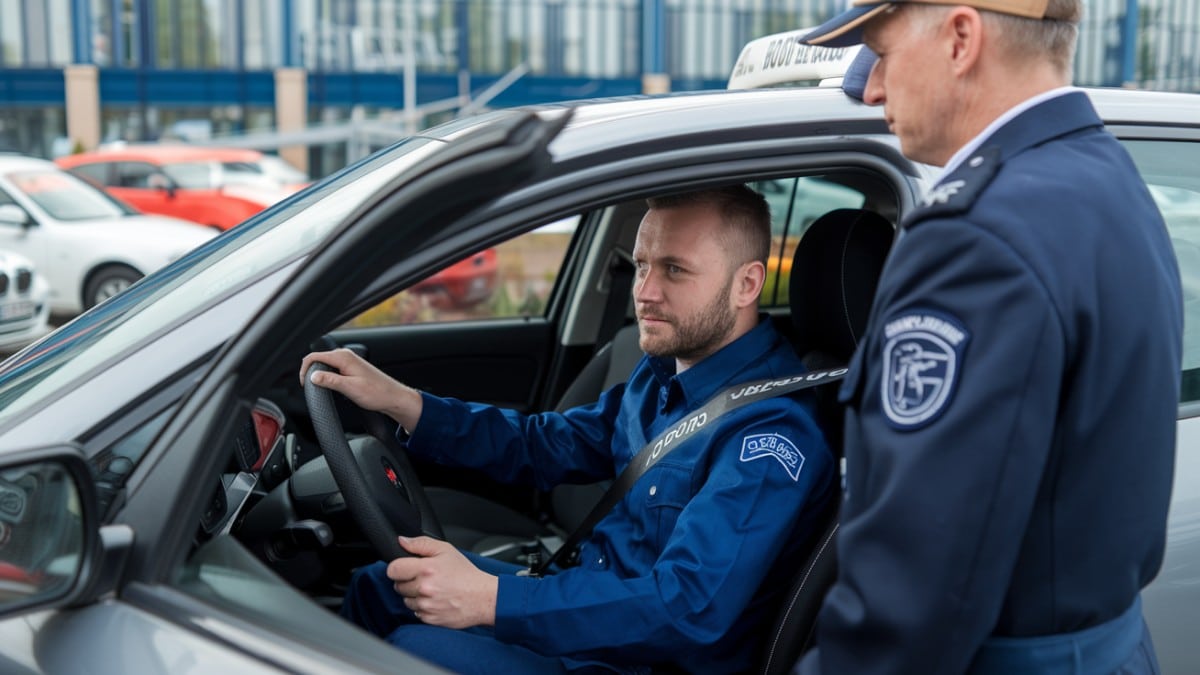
(1047, 119)
(1050, 119)
(703, 380)
(975, 143)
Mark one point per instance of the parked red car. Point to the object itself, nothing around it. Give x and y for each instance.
(465, 283)
(218, 187)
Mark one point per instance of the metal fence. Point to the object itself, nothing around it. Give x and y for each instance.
(1158, 48)
(700, 39)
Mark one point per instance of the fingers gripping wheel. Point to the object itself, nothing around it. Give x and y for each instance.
(371, 483)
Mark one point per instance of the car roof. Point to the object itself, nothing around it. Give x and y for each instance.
(17, 162)
(723, 114)
(163, 153)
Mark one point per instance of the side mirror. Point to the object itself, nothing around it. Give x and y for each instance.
(160, 181)
(11, 214)
(49, 526)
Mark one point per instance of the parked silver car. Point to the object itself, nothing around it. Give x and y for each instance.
(24, 302)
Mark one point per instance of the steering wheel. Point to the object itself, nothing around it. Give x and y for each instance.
(377, 482)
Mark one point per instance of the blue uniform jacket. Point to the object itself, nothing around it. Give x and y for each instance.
(680, 569)
(1010, 433)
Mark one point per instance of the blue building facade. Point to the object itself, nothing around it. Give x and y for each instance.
(185, 67)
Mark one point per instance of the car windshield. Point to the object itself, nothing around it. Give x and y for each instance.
(217, 268)
(66, 197)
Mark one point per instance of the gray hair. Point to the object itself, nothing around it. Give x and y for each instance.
(1053, 37)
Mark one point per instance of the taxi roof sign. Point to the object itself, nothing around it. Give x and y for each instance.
(781, 59)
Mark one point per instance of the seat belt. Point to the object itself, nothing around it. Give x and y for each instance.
(729, 399)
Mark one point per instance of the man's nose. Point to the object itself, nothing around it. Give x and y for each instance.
(646, 288)
(873, 93)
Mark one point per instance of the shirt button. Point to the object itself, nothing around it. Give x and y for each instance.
(653, 490)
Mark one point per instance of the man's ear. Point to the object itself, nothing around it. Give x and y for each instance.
(964, 28)
(748, 284)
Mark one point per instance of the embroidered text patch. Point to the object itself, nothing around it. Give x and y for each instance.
(758, 446)
(920, 366)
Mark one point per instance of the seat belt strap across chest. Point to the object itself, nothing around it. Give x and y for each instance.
(729, 399)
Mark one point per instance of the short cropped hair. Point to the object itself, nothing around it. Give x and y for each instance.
(745, 213)
(1052, 38)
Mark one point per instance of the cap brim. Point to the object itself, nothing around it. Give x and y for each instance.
(845, 29)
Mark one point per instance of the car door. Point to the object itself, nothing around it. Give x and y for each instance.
(130, 181)
(1169, 160)
(220, 607)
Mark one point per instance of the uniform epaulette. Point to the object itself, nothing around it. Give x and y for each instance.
(957, 192)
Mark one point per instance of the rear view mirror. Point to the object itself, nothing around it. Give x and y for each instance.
(47, 538)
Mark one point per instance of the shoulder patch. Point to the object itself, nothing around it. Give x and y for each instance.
(757, 446)
(922, 352)
(957, 192)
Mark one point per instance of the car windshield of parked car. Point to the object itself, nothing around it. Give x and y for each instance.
(65, 197)
(258, 247)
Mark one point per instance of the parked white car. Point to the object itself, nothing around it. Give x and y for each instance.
(24, 302)
(88, 245)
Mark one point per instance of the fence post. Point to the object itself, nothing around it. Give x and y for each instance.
(655, 79)
(1129, 38)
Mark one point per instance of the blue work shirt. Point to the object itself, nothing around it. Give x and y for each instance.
(687, 566)
(1010, 431)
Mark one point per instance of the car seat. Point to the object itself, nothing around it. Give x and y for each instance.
(835, 272)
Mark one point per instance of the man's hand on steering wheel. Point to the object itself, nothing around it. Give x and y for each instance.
(365, 385)
(377, 482)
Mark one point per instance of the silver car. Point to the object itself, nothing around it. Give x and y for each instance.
(165, 503)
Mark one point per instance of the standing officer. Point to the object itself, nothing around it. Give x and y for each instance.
(1010, 427)
(681, 572)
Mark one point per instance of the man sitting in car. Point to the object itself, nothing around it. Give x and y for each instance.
(685, 568)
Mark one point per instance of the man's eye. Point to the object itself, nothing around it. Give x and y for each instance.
(674, 269)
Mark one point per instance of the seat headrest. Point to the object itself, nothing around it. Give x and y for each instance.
(835, 270)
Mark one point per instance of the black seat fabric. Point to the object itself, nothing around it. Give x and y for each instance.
(835, 271)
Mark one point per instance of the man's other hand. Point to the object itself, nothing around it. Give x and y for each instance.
(441, 586)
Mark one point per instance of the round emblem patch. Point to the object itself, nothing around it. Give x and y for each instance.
(920, 367)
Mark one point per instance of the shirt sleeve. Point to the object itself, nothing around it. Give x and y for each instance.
(715, 557)
(938, 499)
(545, 450)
